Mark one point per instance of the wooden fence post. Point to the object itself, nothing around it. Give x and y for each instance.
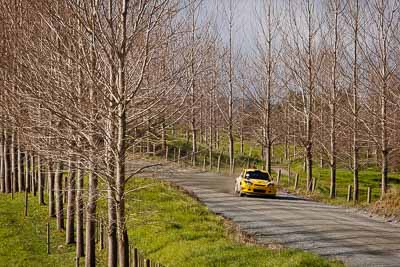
(26, 203)
(154, 150)
(288, 177)
(233, 166)
(296, 182)
(166, 153)
(48, 238)
(174, 154)
(369, 195)
(179, 155)
(204, 164)
(219, 162)
(278, 178)
(349, 193)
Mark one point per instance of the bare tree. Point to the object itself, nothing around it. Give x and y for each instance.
(304, 61)
(380, 49)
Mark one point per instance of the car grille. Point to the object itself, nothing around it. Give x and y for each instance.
(259, 191)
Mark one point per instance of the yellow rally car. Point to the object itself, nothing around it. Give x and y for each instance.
(255, 182)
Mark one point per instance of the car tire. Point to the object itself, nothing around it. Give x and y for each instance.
(238, 191)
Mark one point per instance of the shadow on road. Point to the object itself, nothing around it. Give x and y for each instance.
(282, 197)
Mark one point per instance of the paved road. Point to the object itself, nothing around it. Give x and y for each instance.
(330, 231)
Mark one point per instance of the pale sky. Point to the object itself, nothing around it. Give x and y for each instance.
(245, 20)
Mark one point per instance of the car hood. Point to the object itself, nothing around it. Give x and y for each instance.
(260, 182)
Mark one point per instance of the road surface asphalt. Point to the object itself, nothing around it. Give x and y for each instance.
(330, 231)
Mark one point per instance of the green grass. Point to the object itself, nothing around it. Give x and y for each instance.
(23, 240)
(370, 177)
(167, 225)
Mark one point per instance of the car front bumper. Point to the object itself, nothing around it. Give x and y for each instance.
(259, 191)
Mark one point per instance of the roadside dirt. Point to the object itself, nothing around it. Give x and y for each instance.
(291, 221)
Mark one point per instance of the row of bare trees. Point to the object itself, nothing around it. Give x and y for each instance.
(321, 76)
(81, 82)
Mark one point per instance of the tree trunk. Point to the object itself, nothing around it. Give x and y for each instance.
(51, 181)
(193, 86)
(21, 184)
(112, 227)
(14, 176)
(332, 162)
(91, 208)
(217, 139)
(80, 249)
(112, 215)
(231, 149)
(163, 137)
(2, 175)
(385, 76)
(40, 181)
(33, 174)
(384, 141)
(332, 105)
(268, 166)
(309, 166)
(7, 176)
(210, 126)
(90, 260)
(58, 187)
(70, 230)
(230, 93)
(27, 173)
(123, 243)
(355, 105)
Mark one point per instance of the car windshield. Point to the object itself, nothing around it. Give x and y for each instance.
(257, 175)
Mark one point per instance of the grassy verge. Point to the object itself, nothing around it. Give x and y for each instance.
(166, 224)
(369, 177)
(23, 239)
(388, 206)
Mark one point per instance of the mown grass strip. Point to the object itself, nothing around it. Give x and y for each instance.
(23, 239)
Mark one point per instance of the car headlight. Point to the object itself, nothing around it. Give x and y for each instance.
(248, 182)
